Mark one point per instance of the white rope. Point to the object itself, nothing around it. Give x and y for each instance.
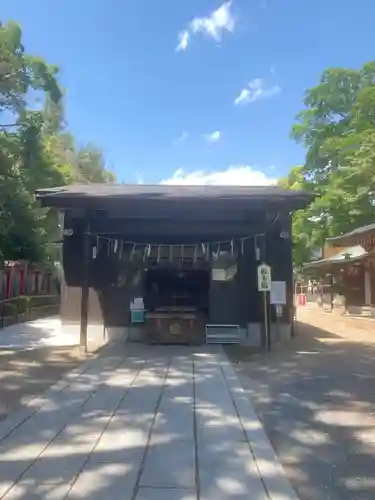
(116, 246)
(138, 243)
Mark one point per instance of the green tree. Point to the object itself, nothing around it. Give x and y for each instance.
(20, 73)
(90, 166)
(337, 127)
(36, 150)
(303, 222)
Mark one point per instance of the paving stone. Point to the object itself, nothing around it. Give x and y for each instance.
(101, 480)
(175, 421)
(165, 494)
(268, 464)
(26, 490)
(225, 433)
(144, 396)
(272, 472)
(177, 406)
(215, 415)
(31, 440)
(63, 458)
(129, 417)
(229, 472)
(170, 465)
(60, 407)
(37, 402)
(59, 470)
(124, 444)
(105, 415)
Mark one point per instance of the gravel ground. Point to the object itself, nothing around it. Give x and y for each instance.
(315, 396)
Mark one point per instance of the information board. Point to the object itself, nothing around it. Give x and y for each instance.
(278, 293)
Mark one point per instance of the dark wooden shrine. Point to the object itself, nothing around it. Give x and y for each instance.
(176, 227)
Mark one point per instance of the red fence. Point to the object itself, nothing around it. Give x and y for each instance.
(22, 279)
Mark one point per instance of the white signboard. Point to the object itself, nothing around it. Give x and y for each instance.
(218, 274)
(264, 278)
(278, 292)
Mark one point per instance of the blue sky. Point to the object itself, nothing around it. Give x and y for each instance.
(197, 91)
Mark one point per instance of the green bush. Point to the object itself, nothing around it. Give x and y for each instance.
(23, 304)
(9, 309)
(20, 305)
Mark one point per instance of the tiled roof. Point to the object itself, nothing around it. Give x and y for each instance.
(166, 190)
(350, 254)
(62, 196)
(359, 232)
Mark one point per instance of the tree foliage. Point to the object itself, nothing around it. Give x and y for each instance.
(21, 73)
(36, 150)
(337, 128)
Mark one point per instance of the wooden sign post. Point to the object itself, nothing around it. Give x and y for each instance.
(264, 286)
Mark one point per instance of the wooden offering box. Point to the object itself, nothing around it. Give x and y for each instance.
(175, 326)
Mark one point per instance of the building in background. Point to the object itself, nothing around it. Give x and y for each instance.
(347, 271)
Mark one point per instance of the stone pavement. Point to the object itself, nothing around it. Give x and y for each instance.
(34, 334)
(44, 332)
(141, 423)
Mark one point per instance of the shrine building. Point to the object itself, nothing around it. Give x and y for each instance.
(174, 264)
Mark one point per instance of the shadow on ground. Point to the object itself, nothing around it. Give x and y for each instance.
(92, 440)
(27, 373)
(316, 399)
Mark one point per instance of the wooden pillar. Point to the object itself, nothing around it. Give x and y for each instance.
(85, 279)
(48, 282)
(8, 286)
(22, 274)
(332, 292)
(287, 270)
(36, 282)
(266, 327)
(368, 285)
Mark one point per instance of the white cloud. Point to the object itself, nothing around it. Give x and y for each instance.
(212, 26)
(236, 175)
(183, 40)
(256, 90)
(213, 136)
(182, 137)
(243, 97)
